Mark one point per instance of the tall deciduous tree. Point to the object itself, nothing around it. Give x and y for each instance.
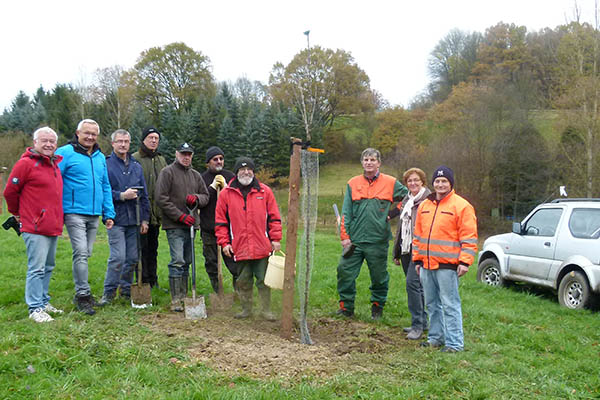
(321, 84)
(172, 76)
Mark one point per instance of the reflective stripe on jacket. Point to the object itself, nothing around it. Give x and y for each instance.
(445, 232)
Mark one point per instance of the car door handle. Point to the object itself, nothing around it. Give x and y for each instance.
(547, 244)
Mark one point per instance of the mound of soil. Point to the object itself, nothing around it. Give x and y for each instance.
(254, 347)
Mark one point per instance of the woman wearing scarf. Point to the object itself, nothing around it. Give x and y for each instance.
(414, 179)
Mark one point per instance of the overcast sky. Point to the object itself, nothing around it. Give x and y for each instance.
(48, 42)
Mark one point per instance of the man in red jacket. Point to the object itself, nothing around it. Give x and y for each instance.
(34, 196)
(248, 228)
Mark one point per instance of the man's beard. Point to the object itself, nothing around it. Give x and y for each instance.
(245, 180)
(217, 168)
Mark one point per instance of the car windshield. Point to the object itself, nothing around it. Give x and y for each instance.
(543, 222)
(585, 223)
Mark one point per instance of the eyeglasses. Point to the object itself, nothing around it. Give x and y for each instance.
(413, 181)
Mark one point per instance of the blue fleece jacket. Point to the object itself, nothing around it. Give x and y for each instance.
(122, 177)
(86, 189)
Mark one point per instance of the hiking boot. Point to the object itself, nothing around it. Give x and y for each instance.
(407, 329)
(376, 311)
(39, 315)
(84, 303)
(415, 334)
(344, 312)
(49, 308)
(429, 344)
(106, 299)
(447, 349)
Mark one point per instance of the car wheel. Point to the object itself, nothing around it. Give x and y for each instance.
(574, 291)
(489, 273)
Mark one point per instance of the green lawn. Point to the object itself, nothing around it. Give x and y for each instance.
(519, 343)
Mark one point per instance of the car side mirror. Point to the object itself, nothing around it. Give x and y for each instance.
(517, 228)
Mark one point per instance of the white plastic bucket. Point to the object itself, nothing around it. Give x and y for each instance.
(275, 271)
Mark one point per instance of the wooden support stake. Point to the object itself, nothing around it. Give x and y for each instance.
(287, 302)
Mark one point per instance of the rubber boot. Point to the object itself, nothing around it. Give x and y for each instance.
(265, 304)
(246, 300)
(176, 294)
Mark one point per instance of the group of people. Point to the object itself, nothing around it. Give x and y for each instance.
(436, 242)
(134, 195)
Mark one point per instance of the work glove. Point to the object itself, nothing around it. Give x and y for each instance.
(191, 200)
(218, 182)
(187, 219)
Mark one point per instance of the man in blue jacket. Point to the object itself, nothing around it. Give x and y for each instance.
(125, 175)
(86, 196)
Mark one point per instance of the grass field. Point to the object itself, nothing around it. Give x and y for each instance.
(519, 343)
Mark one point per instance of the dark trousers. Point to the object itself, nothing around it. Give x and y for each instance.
(414, 293)
(149, 254)
(209, 249)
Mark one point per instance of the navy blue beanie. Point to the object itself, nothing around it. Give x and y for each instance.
(445, 172)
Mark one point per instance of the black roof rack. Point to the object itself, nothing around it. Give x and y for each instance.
(565, 200)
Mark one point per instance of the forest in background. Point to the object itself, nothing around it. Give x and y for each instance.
(514, 113)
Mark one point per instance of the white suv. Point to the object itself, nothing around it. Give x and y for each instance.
(557, 245)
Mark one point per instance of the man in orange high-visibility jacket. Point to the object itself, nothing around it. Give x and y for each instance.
(365, 233)
(444, 245)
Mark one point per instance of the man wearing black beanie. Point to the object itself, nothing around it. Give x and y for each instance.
(216, 178)
(152, 163)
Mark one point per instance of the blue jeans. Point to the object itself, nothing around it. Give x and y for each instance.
(41, 251)
(180, 248)
(444, 307)
(123, 258)
(82, 232)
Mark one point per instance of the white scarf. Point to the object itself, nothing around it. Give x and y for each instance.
(406, 217)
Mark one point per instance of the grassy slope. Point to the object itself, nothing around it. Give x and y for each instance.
(520, 343)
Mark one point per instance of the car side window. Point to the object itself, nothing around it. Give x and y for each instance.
(585, 223)
(543, 222)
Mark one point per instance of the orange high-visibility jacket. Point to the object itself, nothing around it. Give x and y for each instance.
(445, 233)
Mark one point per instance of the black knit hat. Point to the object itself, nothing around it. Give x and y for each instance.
(445, 172)
(148, 131)
(213, 151)
(242, 162)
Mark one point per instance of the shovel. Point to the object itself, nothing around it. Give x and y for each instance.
(220, 301)
(141, 296)
(194, 307)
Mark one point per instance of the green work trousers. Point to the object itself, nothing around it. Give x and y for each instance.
(250, 269)
(349, 268)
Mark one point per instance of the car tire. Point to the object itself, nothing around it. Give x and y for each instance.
(489, 273)
(574, 291)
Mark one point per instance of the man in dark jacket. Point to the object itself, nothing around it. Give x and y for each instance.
(215, 178)
(180, 190)
(86, 196)
(33, 195)
(248, 228)
(152, 163)
(127, 183)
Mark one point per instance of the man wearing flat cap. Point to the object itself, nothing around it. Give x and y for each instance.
(248, 228)
(180, 191)
(215, 177)
(152, 163)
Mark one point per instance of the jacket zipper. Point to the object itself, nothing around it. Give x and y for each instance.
(430, 230)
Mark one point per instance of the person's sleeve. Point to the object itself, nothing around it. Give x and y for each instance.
(417, 244)
(163, 198)
(108, 209)
(222, 221)
(400, 191)
(467, 235)
(14, 186)
(273, 218)
(346, 222)
(144, 202)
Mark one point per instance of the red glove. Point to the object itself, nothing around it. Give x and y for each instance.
(191, 200)
(187, 219)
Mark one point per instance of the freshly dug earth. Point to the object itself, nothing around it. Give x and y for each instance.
(254, 347)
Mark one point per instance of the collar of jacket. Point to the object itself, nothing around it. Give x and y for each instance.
(146, 152)
(128, 156)
(81, 149)
(433, 195)
(35, 154)
(373, 178)
(180, 166)
(237, 185)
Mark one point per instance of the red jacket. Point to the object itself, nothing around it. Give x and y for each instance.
(249, 225)
(34, 192)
